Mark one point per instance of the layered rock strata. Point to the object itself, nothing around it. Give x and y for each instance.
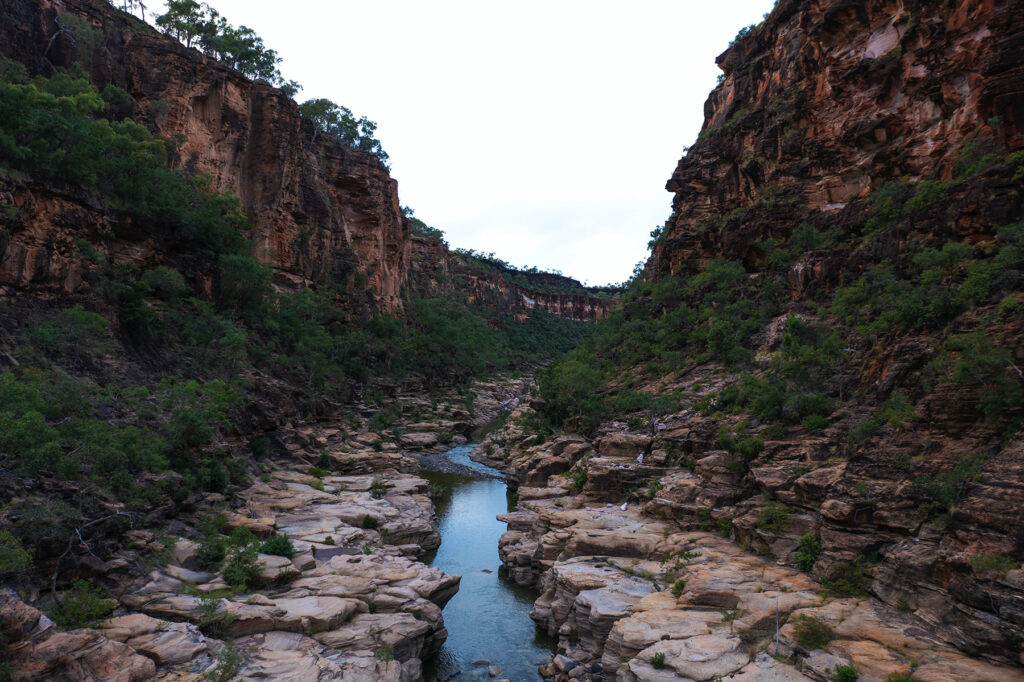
(634, 589)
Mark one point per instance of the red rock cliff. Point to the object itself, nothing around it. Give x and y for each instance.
(320, 212)
(828, 99)
(436, 271)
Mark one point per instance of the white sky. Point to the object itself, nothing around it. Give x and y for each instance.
(541, 131)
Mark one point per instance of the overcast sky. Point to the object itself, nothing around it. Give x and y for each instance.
(541, 131)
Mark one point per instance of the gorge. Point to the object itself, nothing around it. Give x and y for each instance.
(241, 385)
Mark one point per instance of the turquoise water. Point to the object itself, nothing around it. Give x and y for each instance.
(489, 617)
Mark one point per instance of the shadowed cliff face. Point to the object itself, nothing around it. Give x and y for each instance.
(320, 212)
(827, 100)
(438, 271)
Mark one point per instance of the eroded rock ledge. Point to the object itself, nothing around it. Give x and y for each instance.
(634, 590)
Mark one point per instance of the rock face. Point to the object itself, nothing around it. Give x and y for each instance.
(321, 212)
(630, 591)
(437, 271)
(828, 99)
(351, 601)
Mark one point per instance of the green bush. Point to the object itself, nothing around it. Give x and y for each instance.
(845, 673)
(229, 662)
(166, 283)
(774, 517)
(942, 491)
(14, 558)
(811, 633)
(846, 579)
(241, 568)
(75, 331)
(999, 563)
(281, 545)
(807, 550)
(678, 587)
(658, 661)
(370, 522)
(378, 488)
(82, 606)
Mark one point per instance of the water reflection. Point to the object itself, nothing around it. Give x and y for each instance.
(488, 619)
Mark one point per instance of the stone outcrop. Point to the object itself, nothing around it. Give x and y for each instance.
(352, 590)
(825, 101)
(636, 590)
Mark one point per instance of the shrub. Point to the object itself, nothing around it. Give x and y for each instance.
(280, 545)
(370, 522)
(942, 491)
(845, 579)
(811, 633)
(82, 606)
(14, 559)
(241, 569)
(378, 488)
(845, 673)
(999, 563)
(678, 587)
(317, 472)
(242, 537)
(658, 661)
(774, 517)
(213, 621)
(578, 480)
(229, 662)
(166, 283)
(807, 550)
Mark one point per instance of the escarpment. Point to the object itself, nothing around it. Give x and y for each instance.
(320, 212)
(825, 102)
(436, 270)
(322, 215)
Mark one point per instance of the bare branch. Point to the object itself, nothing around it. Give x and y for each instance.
(71, 544)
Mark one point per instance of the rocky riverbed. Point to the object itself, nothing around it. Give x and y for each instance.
(635, 590)
(353, 602)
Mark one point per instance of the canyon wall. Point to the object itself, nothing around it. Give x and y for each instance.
(321, 213)
(436, 270)
(826, 101)
(856, 192)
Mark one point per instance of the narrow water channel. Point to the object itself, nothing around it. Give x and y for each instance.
(488, 620)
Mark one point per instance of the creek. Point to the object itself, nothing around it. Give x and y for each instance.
(488, 620)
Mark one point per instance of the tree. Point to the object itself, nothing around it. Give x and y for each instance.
(338, 122)
(240, 48)
(184, 19)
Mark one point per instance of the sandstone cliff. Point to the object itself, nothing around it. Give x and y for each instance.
(436, 270)
(320, 212)
(826, 101)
